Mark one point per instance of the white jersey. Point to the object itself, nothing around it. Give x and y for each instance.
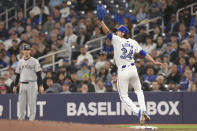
(124, 50)
(27, 69)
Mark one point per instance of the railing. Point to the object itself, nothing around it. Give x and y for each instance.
(147, 24)
(8, 11)
(7, 18)
(54, 63)
(90, 42)
(191, 6)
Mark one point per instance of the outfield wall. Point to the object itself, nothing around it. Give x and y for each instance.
(106, 108)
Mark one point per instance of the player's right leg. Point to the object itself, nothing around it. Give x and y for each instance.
(122, 85)
(22, 101)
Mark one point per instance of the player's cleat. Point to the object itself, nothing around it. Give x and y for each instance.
(143, 116)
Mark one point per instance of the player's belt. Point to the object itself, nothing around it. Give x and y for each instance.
(27, 82)
(132, 64)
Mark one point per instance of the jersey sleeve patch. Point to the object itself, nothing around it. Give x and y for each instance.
(110, 36)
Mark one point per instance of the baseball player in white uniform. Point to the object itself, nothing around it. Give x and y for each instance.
(124, 50)
(28, 72)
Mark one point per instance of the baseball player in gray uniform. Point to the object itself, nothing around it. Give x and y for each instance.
(28, 74)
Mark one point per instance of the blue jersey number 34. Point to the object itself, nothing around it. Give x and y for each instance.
(126, 54)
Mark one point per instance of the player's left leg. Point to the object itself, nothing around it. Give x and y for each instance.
(135, 82)
(32, 97)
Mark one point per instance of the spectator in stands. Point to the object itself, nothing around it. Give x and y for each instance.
(84, 88)
(37, 9)
(74, 81)
(3, 32)
(182, 34)
(171, 52)
(104, 74)
(11, 73)
(86, 80)
(93, 70)
(149, 45)
(65, 11)
(100, 88)
(150, 75)
(83, 70)
(3, 90)
(139, 4)
(156, 32)
(13, 61)
(70, 39)
(171, 86)
(93, 79)
(53, 3)
(167, 11)
(18, 27)
(101, 60)
(21, 18)
(49, 25)
(193, 21)
(155, 86)
(61, 79)
(161, 45)
(56, 14)
(187, 80)
(15, 48)
(114, 82)
(109, 49)
(192, 64)
(84, 55)
(164, 71)
(96, 34)
(13, 36)
(84, 5)
(7, 81)
(141, 15)
(52, 87)
(161, 83)
(191, 41)
(141, 37)
(173, 26)
(119, 17)
(154, 10)
(4, 58)
(65, 88)
(193, 87)
(182, 65)
(108, 87)
(83, 36)
(61, 46)
(40, 18)
(49, 75)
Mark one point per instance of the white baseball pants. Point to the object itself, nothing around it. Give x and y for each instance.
(129, 75)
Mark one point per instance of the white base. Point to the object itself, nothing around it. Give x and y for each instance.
(144, 127)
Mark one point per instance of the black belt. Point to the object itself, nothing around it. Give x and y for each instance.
(27, 82)
(132, 64)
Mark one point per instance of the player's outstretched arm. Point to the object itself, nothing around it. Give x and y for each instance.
(149, 58)
(105, 28)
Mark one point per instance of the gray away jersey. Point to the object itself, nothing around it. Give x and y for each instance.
(27, 69)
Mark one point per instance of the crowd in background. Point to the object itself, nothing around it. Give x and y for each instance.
(57, 25)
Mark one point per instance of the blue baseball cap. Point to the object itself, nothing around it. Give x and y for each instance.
(123, 29)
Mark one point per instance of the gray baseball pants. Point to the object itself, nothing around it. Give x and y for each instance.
(27, 97)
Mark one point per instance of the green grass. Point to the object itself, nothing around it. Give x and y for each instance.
(167, 127)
